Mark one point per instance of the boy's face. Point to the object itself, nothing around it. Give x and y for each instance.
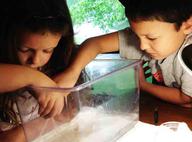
(158, 39)
(36, 48)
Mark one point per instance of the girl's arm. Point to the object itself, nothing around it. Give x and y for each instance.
(13, 77)
(88, 50)
(14, 135)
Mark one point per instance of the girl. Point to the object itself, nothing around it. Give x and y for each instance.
(36, 40)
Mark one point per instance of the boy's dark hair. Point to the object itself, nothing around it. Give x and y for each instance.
(172, 11)
(36, 16)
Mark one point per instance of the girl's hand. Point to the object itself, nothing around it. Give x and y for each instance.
(50, 103)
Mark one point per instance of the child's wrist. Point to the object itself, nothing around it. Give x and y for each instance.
(40, 79)
(144, 85)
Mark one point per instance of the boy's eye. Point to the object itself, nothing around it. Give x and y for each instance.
(48, 51)
(151, 38)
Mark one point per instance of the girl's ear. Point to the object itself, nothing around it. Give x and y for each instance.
(187, 26)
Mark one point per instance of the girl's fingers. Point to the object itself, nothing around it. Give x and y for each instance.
(56, 109)
(61, 106)
(42, 103)
(48, 108)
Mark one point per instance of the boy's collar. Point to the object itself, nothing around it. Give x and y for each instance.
(188, 40)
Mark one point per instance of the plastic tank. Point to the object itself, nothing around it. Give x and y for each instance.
(102, 107)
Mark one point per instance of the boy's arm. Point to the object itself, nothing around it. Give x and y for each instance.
(88, 50)
(168, 94)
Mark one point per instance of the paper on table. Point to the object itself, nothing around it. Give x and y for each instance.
(151, 133)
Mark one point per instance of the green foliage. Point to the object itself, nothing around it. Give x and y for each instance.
(107, 14)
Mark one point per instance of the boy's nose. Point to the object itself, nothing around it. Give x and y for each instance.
(144, 46)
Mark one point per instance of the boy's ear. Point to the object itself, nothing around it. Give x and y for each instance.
(187, 26)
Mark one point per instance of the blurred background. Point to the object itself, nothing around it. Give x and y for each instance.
(96, 17)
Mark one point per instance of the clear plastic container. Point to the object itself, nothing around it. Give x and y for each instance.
(102, 107)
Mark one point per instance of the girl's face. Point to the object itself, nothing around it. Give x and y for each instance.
(36, 48)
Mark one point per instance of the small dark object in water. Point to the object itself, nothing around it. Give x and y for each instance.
(99, 99)
(95, 100)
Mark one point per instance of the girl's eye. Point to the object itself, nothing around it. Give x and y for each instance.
(24, 49)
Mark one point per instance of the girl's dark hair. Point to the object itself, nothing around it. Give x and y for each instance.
(172, 11)
(36, 16)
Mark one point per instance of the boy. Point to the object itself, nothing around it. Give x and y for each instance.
(158, 29)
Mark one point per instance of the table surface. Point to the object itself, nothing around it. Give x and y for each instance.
(166, 111)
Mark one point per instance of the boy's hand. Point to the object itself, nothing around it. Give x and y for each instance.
(143, 74)
(50, 103)
(141, 77)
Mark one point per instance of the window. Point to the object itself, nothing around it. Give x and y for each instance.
(96, 17)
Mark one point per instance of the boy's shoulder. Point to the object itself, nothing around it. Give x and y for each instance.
(128, 35)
